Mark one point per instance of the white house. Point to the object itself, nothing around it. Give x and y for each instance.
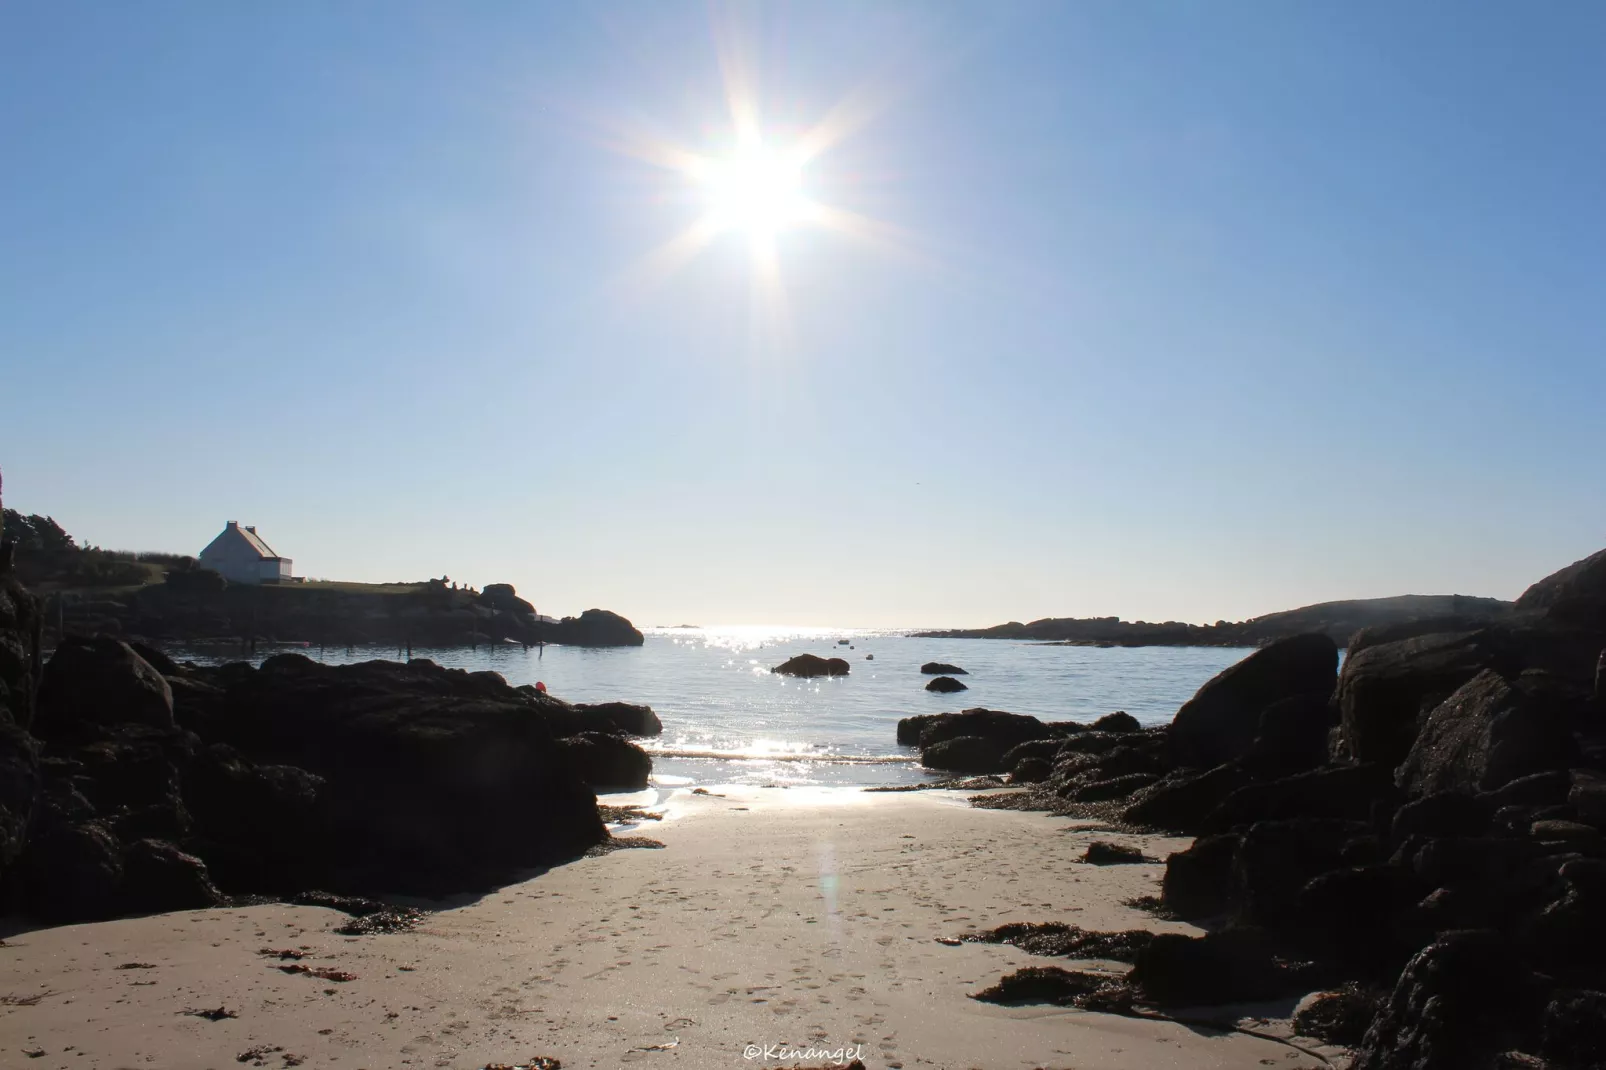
(242, 557)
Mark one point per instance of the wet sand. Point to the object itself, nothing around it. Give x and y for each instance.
(773, 921)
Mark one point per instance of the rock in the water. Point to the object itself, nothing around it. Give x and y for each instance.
(1006, 729)
(942, 668)
(964, 754)
(1485, 735)
(625, 716)
(607, 762)
(594, 627)
(946, 684)
(810, 665)
(1222, 720)
(99, 681)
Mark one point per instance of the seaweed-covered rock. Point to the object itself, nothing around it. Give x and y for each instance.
(1005, 729)
(1119, 721)
(1230, 966)
(607, 762)
(1182, 801)
(1340, 1017)
(942, 668)
(158, 877)
(946, 685)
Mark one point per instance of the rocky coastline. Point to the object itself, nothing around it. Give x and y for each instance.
(1419, 838)
(1336, 620)
(131, 784)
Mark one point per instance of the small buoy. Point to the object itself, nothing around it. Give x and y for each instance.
(541, 687)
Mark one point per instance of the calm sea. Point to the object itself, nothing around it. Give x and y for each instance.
(728, 719)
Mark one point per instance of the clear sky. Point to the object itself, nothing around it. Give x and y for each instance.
(1167, 310)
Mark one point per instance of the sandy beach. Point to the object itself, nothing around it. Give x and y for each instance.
(772, 921)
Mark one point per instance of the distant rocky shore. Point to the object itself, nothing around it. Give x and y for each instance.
(1421, 836)
(1337, 620)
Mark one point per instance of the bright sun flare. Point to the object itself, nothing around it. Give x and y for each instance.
(757, 191)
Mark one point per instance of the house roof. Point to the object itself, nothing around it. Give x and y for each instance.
(256, 543)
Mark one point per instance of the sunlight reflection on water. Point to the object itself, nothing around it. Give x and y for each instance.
(728, 719)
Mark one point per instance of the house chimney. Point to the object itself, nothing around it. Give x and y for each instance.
(251, 528)
(234, 523)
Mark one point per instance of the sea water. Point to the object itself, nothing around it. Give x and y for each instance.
(728, 719)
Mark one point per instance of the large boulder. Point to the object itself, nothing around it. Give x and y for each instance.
(965, 754)
(1198, 881)
(1231, 966)
(1182, 802)
(942, 668)
(1459, 1002)
(594, 627)
(1005, 729)
(946, 685)
(1574, 596)
(158, 877)
(99, 681)
(1222, 720)
(1485, 735)
(19, 788)
(608, 762)
(21, 623)
(627, 717)
(1345, 793)
(1384, 689)
(811, 665)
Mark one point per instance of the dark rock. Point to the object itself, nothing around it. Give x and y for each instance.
(1222, 720)
(1445, 813)
(1198, 881)
(1061, 987)
(1485, 735)
(1043, 749)
(1101, 853)
(594, 627)
(99, 681)
(1293, 733)
(1571, 832)
(1091, 742)
(1114, 788)
(1345, 793)
(1574, 1036)
(1069, 941)
(964, 754)
(504, 598)
(810, 665)
(946, 685)
(624, 716)
(942, 668)
(19, 788)
(1119, 721)
(1537, 789)
(1383, 689)
(156, 659)
(251, 822)
(1231, 966)
(158, 877)
(1339, 1017)
(1028, 770)
(1574, 596)
(1183, 801)
(1274, 862)
(1456, 1004)
(1005, 729)
(70, 872)
(607, 762)
(1587, 795)
(1350, 913)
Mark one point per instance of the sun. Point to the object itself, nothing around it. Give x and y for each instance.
(756, 190)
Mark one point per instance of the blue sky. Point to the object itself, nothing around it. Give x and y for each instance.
(1183, 310)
